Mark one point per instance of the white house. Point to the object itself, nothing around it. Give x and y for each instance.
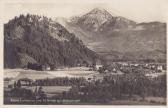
(98, 66)
(160, 68)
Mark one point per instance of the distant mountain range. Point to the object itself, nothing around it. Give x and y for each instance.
(118, 38)
(38, 39)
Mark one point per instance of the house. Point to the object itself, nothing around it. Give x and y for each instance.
(25, 81)
(98, 64)
(159, 67)
(45, 68)
(124, 64)
(98, 67)
(114, 69)
(106, 71)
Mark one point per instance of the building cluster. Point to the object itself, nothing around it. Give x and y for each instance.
(126, 67)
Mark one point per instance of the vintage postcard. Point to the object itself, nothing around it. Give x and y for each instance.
(84, 52)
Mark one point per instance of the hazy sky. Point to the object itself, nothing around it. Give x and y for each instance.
(137, 10)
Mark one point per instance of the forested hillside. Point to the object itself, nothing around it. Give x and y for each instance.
(36, 39)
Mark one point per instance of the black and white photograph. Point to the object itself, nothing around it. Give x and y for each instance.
(95, 52)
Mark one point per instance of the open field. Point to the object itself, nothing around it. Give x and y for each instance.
(156, 99)
(130, 102)
(32, 74)
(74, 73)
(51, 89)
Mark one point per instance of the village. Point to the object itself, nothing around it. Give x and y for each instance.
(151, 70)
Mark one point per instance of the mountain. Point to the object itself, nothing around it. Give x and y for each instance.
(98, 20)
(38, 39)
(116, 37)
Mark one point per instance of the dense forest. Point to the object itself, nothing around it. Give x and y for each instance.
(38, 39)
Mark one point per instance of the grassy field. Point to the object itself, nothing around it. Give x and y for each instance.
(72, 73)
(156, 99)
(51, 89)
(11, 73)
(33, 74)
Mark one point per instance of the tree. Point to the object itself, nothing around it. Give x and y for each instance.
(19, 84)
(42, 95)
(15, 84)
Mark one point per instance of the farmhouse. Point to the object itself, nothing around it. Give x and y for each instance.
(25, 81)
(159, 68)
(45, 67)
(98, 64)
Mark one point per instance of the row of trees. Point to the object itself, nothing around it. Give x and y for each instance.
(61, 82)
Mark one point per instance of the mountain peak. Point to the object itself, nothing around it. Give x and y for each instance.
(95, 18)
(99, 19)
(100, 11)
